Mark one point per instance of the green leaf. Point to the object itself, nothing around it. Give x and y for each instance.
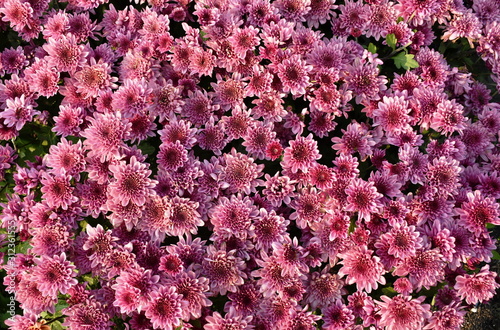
(400, 19)
(372, 48)
(391, 40)
(389, 291)
(496, 255)
(405, 61)
(56, 325)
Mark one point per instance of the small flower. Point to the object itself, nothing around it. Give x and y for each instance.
(362, 268)
(479, 287)
(478, 211)
(403, 312)
(165, 308)
(294, 74)
(17, 112)
(223, 269)
(57, 190)
(132, 183)
(54, 274)
(362, 197)
(301, 154)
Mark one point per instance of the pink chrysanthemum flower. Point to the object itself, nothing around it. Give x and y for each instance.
(42, 78)
(54, 274)
(68, 120)
(240, 173)
(194, 291)
(232, 320)
(447, 318)
(403, 241)
(231, 92)
(89, 314)
(178, 130)
(355, 138)
(171, 156)
(17, 13)
(302, 154)
(17, 112)
(403, 312)
(233, 216)
(466, 25)
(92, 79)
(50, 240)
(57, 190)
(198, 108)
(443, 175)
(246, 300)
(479, 287)
(362, 268)
(323, 289)
(223, 269)
(258, 138)
(131, 98)
(301, 318)
(278, 189)
(245, 39)
(165, 308)
(364, 80)
(105, 135)
(354, 17)
(392, 114)
(337, 316)
(184, 217)
(478, 211)
(448, 117)
(403, 285)
(64, 53)
(308, 207)
(98, 244)
(269, 106)
(134, 288)
(425, 268)
(32, 300)
(362, 197)
(294, 74)
(66, 156)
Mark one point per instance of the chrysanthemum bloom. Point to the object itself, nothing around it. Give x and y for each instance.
(362, 197)
(301, 318)
(245, 39)
(54, 274)
(155, 216)
(50, 240)
(92, 79)
(164, 308)
(42, 79)
(302, 154)
(443, 175)
(308, 207)
(17, 13)
(448, 118)
(258, 138)
(478, 211)
(132, 183)
(17, 112)
(64, 53)
(28, 321)
(240, 172)
(403, 240)
(233, 216)
(223, 269)
(230, 92)
(32, 300)
(425, 268)
(337, 316)
(178, 130)
(392, 114)
(232, 320)
(66, 156)
(194, 290)
(184, 217)
(466, 25)
(105, 135)
(403, 285)
(478, 287)
(403, 312)
(267, 228)
(364, 80)
(98, 244)
(57, 190)
(323, 289)
(448, 318)
(131, 98)
(68, 121)
(133, 289)
(362, 268)
(269, 106)
(212, 137)
(89, 314)
(356, 138)
(171, 156)
(198, 108)
(294, 74)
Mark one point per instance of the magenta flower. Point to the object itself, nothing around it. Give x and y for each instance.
(165, 308)
(57, 190)
(362, 197)
(403, 312)
(362, 268)
(478, 287)
(478, 211)
(132, 183)
(54, 274)
(302, 154)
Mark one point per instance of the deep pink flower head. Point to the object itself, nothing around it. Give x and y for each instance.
(165, 308)
(478, 211)
(362, 268)
(478, 287)
(132, 182)
(362, 197)
(302, 154)
(54, 274)
(403, 312)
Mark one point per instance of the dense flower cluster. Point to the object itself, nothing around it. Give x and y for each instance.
(226, 164)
